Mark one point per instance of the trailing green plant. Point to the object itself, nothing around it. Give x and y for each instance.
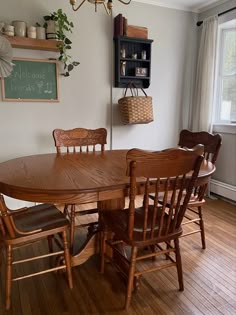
(63, 26)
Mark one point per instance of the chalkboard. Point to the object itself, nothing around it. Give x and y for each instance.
(31, 80)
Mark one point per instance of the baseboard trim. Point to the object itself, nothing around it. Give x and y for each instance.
(223, 189)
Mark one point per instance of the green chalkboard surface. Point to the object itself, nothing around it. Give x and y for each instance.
(31, 80)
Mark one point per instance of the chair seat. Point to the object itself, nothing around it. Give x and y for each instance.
(26, 226)
(45, 217)
(117, 219)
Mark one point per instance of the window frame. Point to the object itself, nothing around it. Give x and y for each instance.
(222, 30)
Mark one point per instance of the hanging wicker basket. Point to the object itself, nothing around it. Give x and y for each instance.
(136, 109)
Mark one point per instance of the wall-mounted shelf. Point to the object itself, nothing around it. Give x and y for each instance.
(132, 46)
(31, 43)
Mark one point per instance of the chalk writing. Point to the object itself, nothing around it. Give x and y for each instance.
(34, 80)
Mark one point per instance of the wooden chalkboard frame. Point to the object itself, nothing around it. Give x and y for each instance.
(56, 99)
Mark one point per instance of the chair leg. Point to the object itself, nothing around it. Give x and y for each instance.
(72, 227)
(1, 250)
(67, 259)
(2, 232)
(202, 228)
(50, 243)
(2, 229)
(153, 249)
(131, 277)
(179, 265)
(8, 276)
(167, 247)
(65, 210)
(103, 239)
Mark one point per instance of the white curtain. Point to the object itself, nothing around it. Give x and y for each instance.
(204, 88)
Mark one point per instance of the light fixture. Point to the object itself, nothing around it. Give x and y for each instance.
(107, 6)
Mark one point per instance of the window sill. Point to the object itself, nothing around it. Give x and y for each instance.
(225, 128)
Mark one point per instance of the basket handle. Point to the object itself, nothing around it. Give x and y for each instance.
(132, 85)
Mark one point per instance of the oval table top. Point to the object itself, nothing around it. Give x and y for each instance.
(70, 177)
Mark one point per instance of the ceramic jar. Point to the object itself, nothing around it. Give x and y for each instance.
(31, 32)
(20, 28)
(51, 30)
(9, 30)
(40, 32)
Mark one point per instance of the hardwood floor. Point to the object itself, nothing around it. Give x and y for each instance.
(209, 278)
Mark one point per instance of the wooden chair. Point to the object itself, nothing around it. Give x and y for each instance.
(25, 226)
(212, 144)
(79, 140)
(145, 228)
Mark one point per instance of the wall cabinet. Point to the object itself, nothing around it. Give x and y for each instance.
(132, 61)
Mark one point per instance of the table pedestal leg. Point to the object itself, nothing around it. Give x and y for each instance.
(91, 244)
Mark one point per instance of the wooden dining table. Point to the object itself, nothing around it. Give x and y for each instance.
(74, 178)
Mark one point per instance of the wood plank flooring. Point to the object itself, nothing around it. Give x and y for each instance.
(209, 278)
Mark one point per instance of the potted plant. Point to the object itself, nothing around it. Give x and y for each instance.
(62, 27)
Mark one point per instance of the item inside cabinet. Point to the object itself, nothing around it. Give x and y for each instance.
(132, 61)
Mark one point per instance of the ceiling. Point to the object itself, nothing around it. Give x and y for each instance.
(197, 6)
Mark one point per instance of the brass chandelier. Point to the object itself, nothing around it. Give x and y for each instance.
(107, 6)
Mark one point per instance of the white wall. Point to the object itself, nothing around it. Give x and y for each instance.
(26, 128)
(173, 63)
(87, 96)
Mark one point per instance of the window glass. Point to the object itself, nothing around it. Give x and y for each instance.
(226, 77)
(228, 102)
(229, 53)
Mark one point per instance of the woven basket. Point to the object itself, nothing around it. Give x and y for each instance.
(136, 109)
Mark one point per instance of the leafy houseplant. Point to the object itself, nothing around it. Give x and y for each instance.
(63, 26)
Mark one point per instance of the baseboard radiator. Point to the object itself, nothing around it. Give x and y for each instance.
(223, 189)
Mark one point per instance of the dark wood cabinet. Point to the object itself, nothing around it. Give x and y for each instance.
(132, 61)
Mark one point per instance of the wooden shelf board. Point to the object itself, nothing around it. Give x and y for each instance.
(31, 43)
(134, 77)
(135, 60)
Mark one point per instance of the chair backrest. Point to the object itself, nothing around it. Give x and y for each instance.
(7, 226)
(211, 142)
(80, 138)
(170, 175)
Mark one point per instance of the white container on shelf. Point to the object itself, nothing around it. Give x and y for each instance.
(20, 28)
(40, 32)
(9, 30)
(31, 32)
(51, 30)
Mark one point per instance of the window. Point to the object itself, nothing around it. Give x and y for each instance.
(225, 110)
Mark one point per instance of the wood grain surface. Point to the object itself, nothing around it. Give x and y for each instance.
(73, 177)
(209, 277)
